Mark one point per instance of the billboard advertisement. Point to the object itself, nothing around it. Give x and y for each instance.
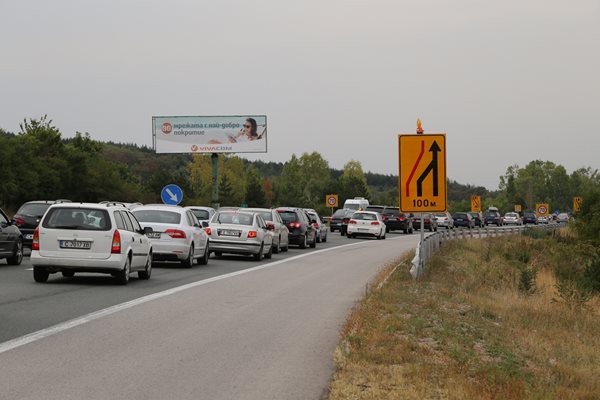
(210, 134)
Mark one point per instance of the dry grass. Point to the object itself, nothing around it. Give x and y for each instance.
(466, 331)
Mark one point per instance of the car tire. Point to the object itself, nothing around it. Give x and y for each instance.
(204, 259)
(324, 239)
(124, 275)
(318, 238)
(350, 236)
(259, 256)
(277, 249)
(189, 261)
(286, 248)
(313, 244)
(303, 243)
(40, 274)
(384, 235)
(68, 274)
(147, 272)
(17, 256)
(269, 255)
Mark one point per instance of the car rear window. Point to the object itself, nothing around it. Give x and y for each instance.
(158, 216)
(460, 215)
(87, 219)
(378, 209)
(33, 209)
(392, 211)
(234, 218)
(201, 214)
(288, 216)
(339, 213)
(364, 216)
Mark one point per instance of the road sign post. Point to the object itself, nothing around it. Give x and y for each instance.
(331, 200)
(422, 173)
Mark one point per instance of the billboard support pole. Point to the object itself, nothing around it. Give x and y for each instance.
(215, 180)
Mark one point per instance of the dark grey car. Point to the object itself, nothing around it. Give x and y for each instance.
(11, 241)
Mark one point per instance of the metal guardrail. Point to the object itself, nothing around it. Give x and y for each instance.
(432, 242)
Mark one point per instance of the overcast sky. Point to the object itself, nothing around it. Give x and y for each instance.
(507, 81)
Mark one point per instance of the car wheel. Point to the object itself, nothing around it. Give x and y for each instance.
(189, 261)
(124, 275)
(303, 243)
(277, 248)
(17, 256)
(318, 238)
(384, 235)
(324, 239)
(285, 248)
(40, 274)
(349, 236)
(259, 256)
(68, 274)
(313, 244)
(204, 259)
(145, 274)
(270, 253)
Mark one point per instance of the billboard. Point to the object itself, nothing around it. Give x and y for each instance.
(210, 134)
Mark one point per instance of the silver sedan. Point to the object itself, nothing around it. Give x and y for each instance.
(276, 225)
(240, 232)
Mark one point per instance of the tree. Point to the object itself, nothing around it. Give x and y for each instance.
(255, 195)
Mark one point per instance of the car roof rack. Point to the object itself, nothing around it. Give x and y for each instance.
(114, 203)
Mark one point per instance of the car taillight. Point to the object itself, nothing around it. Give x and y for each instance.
(116, 243)
(295, 225)
(375, 223)
(175, 233)
(316, 225)
(352, 221)
(384, 218)
(401, 219)
(252, 234)
(35, 245)
(345, 220)
(207, 230)
(19, 221)
(270, 226)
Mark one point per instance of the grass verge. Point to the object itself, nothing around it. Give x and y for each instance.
(469, 330)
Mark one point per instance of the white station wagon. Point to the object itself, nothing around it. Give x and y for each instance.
(90, 237)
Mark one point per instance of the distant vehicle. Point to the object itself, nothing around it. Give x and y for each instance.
(529, 218)
(91, 237)
(11, 241)
(444, 220)
(396, 220)
(563, 217)
(512, 218)
(302, 231)
(543, 219)
(493, 217)
(357, 203)
(28, 217)
(429, 222)
(202, 213)
(376, 208)
(463, 219)
(177, 235)
(240, 232)
(339, 220)
(478, 218)
(276, 225)
(366, 223)
(319, 225)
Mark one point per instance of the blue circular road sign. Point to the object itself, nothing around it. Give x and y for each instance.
(171, 194)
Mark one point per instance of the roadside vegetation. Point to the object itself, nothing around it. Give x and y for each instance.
(513, 317)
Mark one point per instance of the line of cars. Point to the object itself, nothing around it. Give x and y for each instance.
(122, 238)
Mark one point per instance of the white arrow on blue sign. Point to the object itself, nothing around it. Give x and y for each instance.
(171, 194)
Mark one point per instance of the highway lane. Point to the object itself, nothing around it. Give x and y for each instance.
(26, 306)
(269, 333)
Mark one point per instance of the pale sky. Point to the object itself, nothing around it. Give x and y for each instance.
(507, 81)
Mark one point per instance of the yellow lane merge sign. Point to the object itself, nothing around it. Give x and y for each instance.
(422, 177)
(475, 203)
(577, 203)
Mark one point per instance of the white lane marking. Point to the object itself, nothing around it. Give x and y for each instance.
(63, 326)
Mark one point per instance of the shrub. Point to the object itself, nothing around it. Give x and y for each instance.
(527, 280)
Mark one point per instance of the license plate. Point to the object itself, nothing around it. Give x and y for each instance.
(226, 232)
(362, 229)
(75, 244)
(154, 235)
(29, 236)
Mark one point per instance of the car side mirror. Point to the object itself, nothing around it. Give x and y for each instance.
(3, 224)
(147, 230)
(314, 221)
(205, 224)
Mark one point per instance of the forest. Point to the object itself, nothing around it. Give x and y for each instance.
(37, 163)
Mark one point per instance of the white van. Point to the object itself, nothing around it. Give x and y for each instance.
(356, 203)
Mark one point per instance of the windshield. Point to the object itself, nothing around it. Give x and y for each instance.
(234, 218)
(88, 219)
(34, 210)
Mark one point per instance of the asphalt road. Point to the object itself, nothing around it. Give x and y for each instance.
(234, 329)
